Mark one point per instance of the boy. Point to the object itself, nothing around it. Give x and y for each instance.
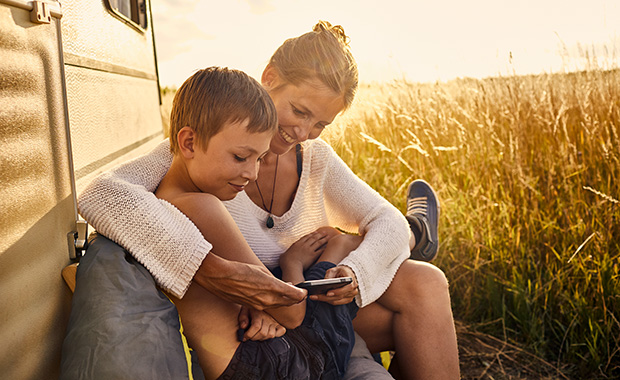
(222, 122)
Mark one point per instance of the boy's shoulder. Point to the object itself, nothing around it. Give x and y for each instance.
(194, 199)
(196, 205)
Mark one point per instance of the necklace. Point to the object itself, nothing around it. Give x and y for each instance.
(269, 221)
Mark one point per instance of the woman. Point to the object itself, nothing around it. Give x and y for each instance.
(405, 304)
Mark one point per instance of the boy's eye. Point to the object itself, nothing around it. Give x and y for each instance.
(240, 159)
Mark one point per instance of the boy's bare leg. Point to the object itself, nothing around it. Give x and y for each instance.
(210, 326)
(339, 245)
(414, 318)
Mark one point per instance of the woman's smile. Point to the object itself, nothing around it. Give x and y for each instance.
(285, 136)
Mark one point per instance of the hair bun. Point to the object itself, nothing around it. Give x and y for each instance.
(336, 30)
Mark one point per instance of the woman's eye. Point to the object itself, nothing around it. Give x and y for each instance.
(298, 112)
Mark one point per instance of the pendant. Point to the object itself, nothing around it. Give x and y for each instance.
(269, 222)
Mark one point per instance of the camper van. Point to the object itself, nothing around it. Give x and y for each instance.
(79, 93)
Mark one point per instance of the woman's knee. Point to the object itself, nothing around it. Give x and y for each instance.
(421, 279)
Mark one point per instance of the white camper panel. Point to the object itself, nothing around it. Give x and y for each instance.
(61, 122)
(112, 88)
(36, 196)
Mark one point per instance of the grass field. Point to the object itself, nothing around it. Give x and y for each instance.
(527, 170)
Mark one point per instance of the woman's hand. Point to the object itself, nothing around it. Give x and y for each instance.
(259, 325)
(246, 284)
(343, 295)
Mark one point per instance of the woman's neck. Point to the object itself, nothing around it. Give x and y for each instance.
(286, 182)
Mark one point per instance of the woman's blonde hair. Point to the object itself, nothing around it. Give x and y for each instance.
(323, 54)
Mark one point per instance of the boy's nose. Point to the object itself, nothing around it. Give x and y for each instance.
(251, 172)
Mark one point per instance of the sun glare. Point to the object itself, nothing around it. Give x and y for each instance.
(420, 41)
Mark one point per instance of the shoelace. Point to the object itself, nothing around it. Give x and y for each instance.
(417, 206)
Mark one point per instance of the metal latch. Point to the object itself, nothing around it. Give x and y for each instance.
(78, 240)
(40, 13)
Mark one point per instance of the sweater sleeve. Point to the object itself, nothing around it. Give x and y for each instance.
(121, 205)
(353, 204)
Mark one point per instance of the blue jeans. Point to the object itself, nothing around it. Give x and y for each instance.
(319, 348)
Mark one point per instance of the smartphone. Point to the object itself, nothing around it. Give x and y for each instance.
(324, 285)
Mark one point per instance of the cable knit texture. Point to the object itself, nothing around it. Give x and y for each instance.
(172, 248)
(121, 205)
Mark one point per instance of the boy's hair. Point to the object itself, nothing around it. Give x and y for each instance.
(215, 96)
(323, 54)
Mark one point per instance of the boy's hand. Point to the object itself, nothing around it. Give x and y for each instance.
(259, 325)
(305, 250)
(342, 295)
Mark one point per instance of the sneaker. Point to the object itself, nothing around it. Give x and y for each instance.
(423, 215)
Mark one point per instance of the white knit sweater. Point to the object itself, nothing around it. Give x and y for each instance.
(120, 204)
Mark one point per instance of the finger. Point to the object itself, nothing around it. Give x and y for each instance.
(331, 273)
(271, 333)
(338, 271)
(254, 329)
(291, 294)
(349, 289)
(309, 237)
(244, 317)
(280, 330)
(279, 294)
(342, 301)
(319, 242)
(332, 300)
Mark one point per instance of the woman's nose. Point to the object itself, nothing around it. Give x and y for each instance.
(302, 131)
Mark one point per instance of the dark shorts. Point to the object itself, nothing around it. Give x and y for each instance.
(318, 349)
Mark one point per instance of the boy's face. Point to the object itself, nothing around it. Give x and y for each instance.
(229, 161)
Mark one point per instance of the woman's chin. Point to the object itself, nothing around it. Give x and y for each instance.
(279, 147)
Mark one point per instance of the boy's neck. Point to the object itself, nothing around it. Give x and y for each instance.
(176, 180)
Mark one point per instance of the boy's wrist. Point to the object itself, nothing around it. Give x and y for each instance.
(292, 270)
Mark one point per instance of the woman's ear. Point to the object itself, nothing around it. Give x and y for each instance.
(186, 140)
(270, 77)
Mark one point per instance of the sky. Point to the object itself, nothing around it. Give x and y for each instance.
(421, 41)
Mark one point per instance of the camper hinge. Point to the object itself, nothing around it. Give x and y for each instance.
(78, 240)
(40, 13)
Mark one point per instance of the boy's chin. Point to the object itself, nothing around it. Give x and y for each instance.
(227, 197)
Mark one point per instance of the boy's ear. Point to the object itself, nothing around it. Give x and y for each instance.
(186, 140)
(270, 77)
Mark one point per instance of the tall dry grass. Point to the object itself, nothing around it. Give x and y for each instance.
(527, 170)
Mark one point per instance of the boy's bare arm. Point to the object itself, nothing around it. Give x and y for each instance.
(231, 269)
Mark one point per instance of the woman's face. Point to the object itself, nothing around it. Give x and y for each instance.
(303, 110)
